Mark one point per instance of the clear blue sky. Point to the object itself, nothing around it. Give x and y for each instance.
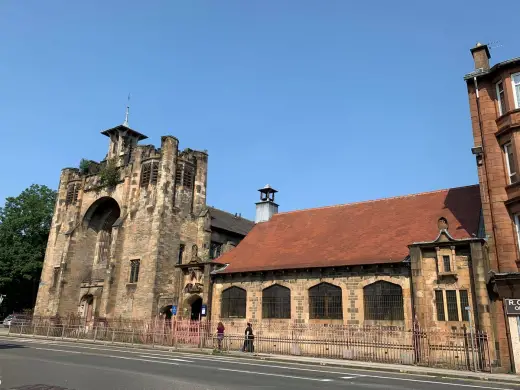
(328, 101)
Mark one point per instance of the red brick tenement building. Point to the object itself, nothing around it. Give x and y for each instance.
(494, 98)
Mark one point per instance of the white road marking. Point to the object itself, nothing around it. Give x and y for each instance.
(165, 358)
(433, 382)
(196, 356)
(209, 358)
(271, 374)
(59, 350)
(110, 356)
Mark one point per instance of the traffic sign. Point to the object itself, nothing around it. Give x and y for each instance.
(174, 310)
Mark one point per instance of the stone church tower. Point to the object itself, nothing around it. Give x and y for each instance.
(123, 227)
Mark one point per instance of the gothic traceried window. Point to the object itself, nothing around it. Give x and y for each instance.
(145, 174)
(187, 178)
(383, 302)
(325, 302)
(276, 302)
(72, 193)
(234, 301)
(149, 173)
(178, 174)
(155, 172)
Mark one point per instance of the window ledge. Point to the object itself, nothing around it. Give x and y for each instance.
(450, 273)
(130, 285)
(513, 185)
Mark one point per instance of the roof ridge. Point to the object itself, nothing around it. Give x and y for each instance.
(376, 200)
(230, 214)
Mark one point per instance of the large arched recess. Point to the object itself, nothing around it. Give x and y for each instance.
(98, 222)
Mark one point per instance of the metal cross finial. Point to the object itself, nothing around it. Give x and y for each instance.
(125, 123)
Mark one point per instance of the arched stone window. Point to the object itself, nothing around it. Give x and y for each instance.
(72, 193)
(325, 302)
(234, 302)
(149, 173)
(383, 301)
(276, 302)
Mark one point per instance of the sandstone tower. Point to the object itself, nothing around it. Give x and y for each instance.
(123, 228)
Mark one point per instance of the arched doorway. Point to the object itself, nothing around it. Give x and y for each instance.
(86, 308)
(166, 312)
(196, 308)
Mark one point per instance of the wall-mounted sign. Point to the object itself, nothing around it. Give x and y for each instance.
(512, 307)
(203, 310)
(174, 310)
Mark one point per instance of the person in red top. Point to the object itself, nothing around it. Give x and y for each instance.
(220, 335)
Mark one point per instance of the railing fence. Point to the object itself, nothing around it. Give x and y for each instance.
(433, 348)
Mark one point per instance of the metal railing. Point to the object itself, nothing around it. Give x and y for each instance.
(432, 348)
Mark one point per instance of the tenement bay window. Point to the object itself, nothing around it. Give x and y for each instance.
(510, 162)
(234, 301)
(453, 303)
(501, 98)
(325, 302)
(516, 219)
(276, 302)
(383, 301)
(515, 80)
(134, 270)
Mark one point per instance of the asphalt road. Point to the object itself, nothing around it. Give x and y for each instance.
(61, 365)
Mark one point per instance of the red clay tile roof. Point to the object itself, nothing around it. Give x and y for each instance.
(372, 232)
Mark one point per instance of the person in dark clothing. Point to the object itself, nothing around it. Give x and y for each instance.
(220, 335)
(248, 342)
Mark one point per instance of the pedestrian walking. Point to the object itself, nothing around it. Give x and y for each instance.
(220, 334)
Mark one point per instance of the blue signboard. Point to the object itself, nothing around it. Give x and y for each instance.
(203, 310)
(174, 310)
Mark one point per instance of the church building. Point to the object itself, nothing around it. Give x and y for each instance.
(125, 229)
(415, 260)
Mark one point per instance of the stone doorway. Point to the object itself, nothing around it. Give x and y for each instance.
(86, 308)
(166, 312)
(196, 308)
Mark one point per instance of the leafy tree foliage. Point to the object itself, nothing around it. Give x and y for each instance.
(25, 222)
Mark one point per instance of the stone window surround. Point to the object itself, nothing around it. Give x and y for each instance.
(459, 307)
(149, 174)
(441, 252)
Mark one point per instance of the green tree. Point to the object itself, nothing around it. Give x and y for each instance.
(25, 222)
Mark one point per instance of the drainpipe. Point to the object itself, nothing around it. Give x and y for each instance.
(485, 169)
(508, 335)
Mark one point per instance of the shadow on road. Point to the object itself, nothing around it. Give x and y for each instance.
(11, 346)
(39, 387)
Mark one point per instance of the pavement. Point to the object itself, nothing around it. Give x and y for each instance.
(55, 364)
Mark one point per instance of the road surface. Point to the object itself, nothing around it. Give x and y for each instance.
(60, 365)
